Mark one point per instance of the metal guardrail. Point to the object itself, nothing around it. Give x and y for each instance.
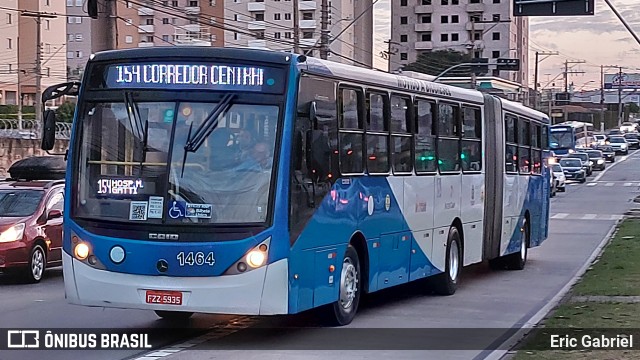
(30, 129)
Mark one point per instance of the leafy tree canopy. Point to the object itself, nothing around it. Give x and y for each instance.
(435, 62)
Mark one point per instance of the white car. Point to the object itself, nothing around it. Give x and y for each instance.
(600, 139)
(628, 127)
(558, 172)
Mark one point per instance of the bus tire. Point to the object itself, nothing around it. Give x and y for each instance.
(518, 260)
(447, 282)
(343, 311)
(174, 316)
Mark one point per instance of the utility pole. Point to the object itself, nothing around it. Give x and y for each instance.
(296, 27)
(566, 83)
(37, 16)
(535, 75)
(104, 28)
(19, 86)
(324, 32)
(620, 110)
(473, 50)
(602, 98)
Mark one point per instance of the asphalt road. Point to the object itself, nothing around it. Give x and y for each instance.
(405, 317)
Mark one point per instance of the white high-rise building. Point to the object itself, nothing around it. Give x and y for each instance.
(483, 28)
(272, 23)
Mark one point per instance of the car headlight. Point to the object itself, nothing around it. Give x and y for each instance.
(600, 161)
(13, 233)
(623, 146)
(590, 163)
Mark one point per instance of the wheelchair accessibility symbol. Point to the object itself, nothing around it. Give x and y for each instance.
(177, 209)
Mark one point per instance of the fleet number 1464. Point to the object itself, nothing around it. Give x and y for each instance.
(198, 258)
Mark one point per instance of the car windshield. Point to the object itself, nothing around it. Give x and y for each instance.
(630, 136)
(138, 162)
(570, 163)
(594, 154)
(581, 156)
(17, 203)
(556, 168)
(616, 139)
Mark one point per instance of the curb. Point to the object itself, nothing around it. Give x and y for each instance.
(529, 325)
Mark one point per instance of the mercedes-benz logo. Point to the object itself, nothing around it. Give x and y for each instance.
(162, 265)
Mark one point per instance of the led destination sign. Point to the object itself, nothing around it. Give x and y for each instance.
(195, 76)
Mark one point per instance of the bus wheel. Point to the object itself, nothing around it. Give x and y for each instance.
(447, 282)
(518, 260)
(344, 310)
(176, 316)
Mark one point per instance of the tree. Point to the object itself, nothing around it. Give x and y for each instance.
(435, 62)
(634, 108)
(65, 111)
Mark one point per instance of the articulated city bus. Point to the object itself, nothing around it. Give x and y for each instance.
(240, 181)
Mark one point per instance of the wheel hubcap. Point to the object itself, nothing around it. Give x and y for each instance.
(37, 264)
(453, 261)
(348, 283)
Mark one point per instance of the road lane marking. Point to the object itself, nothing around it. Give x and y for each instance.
(609, 184)
(628, 184)
(560, 216)
(592, 184)
(589, 216)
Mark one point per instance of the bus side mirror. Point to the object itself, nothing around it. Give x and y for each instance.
(48, 130)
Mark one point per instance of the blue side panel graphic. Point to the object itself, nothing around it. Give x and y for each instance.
(537, 202)
(364, 206)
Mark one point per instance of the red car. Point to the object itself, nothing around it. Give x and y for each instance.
(30, 223)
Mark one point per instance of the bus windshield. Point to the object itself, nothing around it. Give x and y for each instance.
(137, 162)
(561, 140)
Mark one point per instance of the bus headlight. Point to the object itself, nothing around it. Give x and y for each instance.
(81, 251)
(571, 151)
(255, 258)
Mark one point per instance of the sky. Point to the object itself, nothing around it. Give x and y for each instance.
(600, 39)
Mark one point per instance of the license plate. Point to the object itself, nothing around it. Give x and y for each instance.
(164, 297)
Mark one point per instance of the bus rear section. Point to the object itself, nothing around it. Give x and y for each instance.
(174, 173)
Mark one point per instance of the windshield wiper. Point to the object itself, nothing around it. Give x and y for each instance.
(205, 129)
(135, 120)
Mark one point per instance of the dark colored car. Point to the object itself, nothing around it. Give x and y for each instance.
(30, 224)
(597, 158)
(633, 140)
(608, 152)
(573, 169)
(614, 132)
(586, 162)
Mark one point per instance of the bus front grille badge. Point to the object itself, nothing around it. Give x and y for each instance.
(162, 265)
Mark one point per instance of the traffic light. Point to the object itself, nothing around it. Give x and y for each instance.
(508, 64)
(92, 8)
(482, 66)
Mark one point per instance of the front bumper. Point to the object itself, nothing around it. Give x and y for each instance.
(13, 254)
(263, 291)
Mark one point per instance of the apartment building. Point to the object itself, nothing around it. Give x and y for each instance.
(9, 58)
(268, 24)
(483, 28)
(78, 38)
(169, 23)
(18, 60)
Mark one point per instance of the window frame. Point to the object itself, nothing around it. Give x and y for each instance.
(360, 113)
(409, 123)
(433, 132)
(477, 138)
(377, 133)
(456, 136)
(537, 135)
(524, 124)
(508, 143)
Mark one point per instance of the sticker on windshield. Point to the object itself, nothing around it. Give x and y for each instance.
(156, 204)
(199, 211)
(138, 210)
(176, 209)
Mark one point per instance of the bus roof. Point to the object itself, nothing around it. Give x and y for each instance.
(574, 124)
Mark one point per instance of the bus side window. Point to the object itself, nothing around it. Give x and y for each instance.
(511, 149)
(351, 133)
(448, 152)
(425, 139)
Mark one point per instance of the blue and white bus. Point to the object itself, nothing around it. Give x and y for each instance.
(571, 136)
(239, 181)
